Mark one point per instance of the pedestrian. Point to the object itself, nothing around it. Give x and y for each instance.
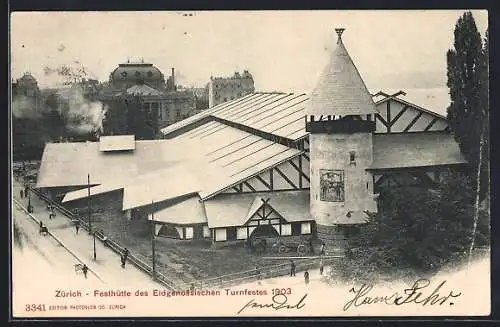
(77, 226)
(122, 258)
(21, 193)
(306, 277)
(26, 190)
(322, 248)
(85, 269)
(257, 273)
(321, 268)
(41, 227)
(292, 268)
(125, 253)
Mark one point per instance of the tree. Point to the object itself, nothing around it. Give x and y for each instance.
(416, 229)
(468, 84)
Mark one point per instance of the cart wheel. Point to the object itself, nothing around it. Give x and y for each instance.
(301, 249)
(282, 249)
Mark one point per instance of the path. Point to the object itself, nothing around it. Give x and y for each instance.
(107, 265)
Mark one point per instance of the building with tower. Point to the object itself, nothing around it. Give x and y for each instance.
(224, 89)
(339, 120)
(25, 90)
(160, 95)
(267, 164)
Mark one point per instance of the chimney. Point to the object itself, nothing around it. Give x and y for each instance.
(339, 33)
(173, 79)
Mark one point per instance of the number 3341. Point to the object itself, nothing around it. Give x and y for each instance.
(34, 307)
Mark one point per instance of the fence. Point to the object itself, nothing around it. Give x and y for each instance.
(260, 273)
(110, 243)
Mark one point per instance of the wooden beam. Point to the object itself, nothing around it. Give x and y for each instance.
(382, 120)
(285, 178)
(249, 186)
(395, 119)
(428, 127)
(410, 125)
(389, 116)
(260, 179)
(300, 169)
(301, 173)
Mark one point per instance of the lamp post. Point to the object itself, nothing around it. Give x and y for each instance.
(90, 216)
(153, 239)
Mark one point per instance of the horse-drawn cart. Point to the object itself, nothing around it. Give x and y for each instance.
(280, 245)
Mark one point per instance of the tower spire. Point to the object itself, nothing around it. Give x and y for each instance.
(339, 31)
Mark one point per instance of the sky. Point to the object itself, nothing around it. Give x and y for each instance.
(283, 50)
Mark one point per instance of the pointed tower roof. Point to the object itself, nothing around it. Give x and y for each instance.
(340, 89)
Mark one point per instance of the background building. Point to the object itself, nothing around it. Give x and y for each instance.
(223, 89)
(26, 95)
(160, 95)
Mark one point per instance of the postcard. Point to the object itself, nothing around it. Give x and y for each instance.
(321, 163)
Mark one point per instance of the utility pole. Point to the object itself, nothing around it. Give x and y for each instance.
(88, 188)
(153, 239)
(90, 216)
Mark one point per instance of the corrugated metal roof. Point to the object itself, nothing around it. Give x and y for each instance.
(407, 150)
(116, 143)
(340, 89)
(183, 212)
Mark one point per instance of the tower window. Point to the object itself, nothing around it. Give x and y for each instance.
(352, 158)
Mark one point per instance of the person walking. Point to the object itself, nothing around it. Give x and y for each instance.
(292, 268)
(41, 227)
(26, 190)
(322, 248)
(306, 277)
(21, 193)
(122, 258)
(77, 226)
(85, 269)
(321, 267)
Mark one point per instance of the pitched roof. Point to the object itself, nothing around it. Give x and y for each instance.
(141, 90)
(116, 143)
(406, 150)
(340, 89)
(227, 210)
(186, 211)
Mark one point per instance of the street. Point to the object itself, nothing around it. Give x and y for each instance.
(105, 269)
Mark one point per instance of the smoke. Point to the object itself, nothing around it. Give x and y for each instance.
(81, 114)
(24, 107)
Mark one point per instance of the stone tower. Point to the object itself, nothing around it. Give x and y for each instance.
(340, 120)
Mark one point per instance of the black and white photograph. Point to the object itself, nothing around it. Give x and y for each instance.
(293, 163)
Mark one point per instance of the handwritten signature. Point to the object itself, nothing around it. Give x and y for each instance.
(413, 294)
(279, 301)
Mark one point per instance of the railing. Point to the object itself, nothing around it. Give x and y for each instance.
(262, 273)
(110, 243)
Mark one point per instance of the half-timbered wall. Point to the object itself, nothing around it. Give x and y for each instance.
(396, 117)
(290, 175)
(429, 177)
(260, 224)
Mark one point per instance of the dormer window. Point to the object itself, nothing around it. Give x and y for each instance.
(352, 158)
